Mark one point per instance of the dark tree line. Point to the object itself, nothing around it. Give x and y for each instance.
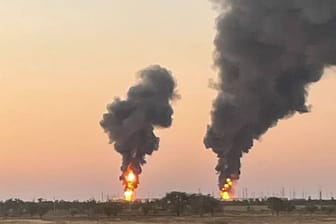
(277, 205)
(17, 207)
(179, 202)
(173, 203)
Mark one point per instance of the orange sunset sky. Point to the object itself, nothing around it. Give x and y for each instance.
(62, 62)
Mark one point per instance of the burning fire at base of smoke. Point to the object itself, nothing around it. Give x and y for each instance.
(130, 181)
(227, 190)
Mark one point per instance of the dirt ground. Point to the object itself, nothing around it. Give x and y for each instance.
(250, 219)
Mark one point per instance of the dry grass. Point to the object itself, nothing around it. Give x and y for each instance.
(250, 219)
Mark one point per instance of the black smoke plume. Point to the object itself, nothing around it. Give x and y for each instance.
(267, 53)
(130, 123)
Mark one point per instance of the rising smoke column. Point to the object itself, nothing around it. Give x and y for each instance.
(267, 53)
(130, 123)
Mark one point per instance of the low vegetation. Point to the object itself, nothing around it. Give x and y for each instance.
(173, 204)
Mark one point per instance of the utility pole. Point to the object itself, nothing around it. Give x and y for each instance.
(294, 196)
(282, 192)
(54, 206)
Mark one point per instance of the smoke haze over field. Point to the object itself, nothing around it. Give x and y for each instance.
(267, 53)
(130, 123)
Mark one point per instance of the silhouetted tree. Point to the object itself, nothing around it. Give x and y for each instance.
(146, 207)
(42, 207)
(202, 204)
(276, 205)
(31, 208)
(13, 207)
(176, 202)
(90, 207)
(112, 208)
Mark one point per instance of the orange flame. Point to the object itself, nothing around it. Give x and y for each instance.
(130, 181)
(227, 190)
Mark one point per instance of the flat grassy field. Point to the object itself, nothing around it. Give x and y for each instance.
(250, 219)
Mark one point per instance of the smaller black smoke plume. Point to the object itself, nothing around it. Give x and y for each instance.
(130, 123)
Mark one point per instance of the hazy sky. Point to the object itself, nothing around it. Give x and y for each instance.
(62, 62)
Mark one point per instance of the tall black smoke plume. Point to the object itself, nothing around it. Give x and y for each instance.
(130, 123)
(267, 53)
